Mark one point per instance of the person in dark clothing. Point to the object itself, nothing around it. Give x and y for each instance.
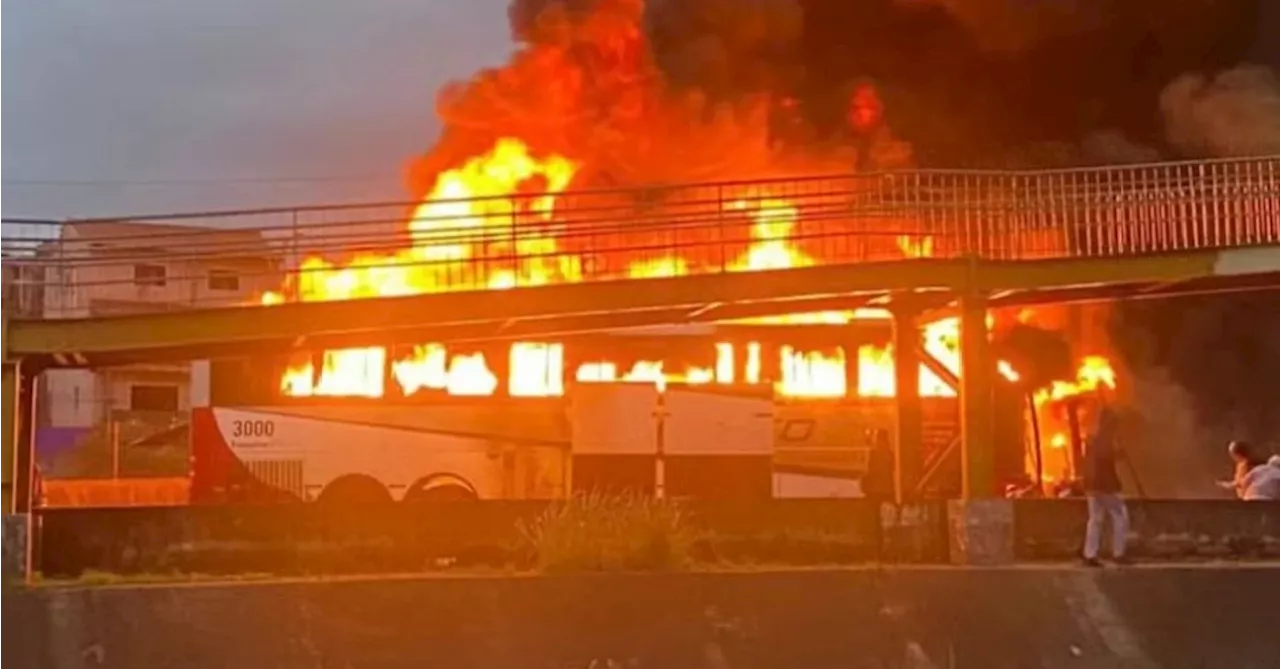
(1102, 485)
(877, 483)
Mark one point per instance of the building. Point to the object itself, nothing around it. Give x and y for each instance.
(22, 269)
(110, 268)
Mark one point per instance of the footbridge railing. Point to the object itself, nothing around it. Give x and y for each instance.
(209, 259)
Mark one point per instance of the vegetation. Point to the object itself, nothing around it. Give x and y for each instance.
(601, 532)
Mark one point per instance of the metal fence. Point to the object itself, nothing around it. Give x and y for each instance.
(80, 268)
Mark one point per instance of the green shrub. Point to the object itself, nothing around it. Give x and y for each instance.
(602, 532)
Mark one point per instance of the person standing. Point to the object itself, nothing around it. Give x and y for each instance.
(1102, 485)
(878, 482)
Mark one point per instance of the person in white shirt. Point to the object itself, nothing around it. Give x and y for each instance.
(1262, 483)
(1256, 477)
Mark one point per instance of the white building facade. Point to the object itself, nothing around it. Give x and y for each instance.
(116, 268)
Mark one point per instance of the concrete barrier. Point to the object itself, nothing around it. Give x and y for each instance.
(16, 531)
(953, 618)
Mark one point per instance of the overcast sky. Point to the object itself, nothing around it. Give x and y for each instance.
(108, 93)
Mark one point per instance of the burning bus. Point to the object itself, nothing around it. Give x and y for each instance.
(725, 411)
(717, 412)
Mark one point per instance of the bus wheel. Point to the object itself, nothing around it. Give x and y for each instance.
(354, 490)
(441, 488)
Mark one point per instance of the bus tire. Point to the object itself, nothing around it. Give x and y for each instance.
(441, 488)
(354, 490)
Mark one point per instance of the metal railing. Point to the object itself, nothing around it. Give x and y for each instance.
(230, 258)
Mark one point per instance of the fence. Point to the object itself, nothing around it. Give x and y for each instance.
(235, 257)
(92, 438)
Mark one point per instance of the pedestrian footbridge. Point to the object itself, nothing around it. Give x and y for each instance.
(609, 259)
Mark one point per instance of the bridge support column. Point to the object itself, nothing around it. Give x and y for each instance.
(981, 523)
(977, 400)
(906, 529)
(909, 415)
(18, 390)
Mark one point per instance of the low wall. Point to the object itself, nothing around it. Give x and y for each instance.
(16, 529)
(295, 539)
(920, 618)
(1159, 529)
(299, 539)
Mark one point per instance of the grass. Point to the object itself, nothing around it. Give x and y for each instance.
(602, 532)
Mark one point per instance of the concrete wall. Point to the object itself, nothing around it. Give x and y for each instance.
(16, 535)
(1165, 617)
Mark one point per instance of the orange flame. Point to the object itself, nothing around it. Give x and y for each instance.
(469, 232)
(469, 227)
(1094, 372)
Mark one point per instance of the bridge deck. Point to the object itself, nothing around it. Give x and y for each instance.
(830, 242)
(549, 310)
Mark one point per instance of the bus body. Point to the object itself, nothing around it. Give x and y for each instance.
(708, 440)
(690, 442)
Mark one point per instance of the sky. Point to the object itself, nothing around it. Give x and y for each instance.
(152, 106)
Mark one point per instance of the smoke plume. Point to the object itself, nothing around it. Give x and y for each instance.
(1224, 350)
(1112, 147)
(1002, 26)
(1173, 452)
(1233, 113)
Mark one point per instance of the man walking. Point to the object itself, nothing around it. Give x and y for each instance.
(1102, 485)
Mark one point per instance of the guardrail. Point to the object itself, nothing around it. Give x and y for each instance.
(96, 267)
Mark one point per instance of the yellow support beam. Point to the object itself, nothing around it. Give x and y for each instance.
(376, 319)
(548, 310)
(991, 276)
(909, 413)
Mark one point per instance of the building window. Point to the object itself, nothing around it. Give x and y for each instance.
(223, 279)
(153, 398)
(149, 275)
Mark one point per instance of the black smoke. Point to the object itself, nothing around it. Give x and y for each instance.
(966, 82)
(624, 84)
